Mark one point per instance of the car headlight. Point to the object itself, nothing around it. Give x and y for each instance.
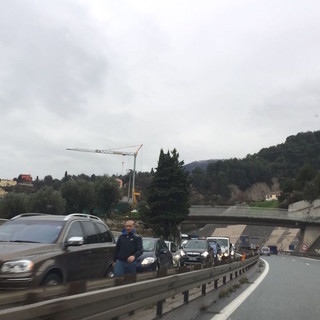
(147, 261)
(225, 254)
(205, 254)
(182, 253)
(17, 266)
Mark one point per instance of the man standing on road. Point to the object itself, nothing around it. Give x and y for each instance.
(128, 248)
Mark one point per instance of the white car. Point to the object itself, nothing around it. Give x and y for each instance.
(265, 251)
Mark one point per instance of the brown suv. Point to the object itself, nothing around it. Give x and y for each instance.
(41, 249)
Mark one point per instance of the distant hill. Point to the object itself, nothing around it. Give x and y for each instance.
(294, 164)
(202, 164)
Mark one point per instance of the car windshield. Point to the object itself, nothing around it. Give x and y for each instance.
(30, 231)
(148, 244)
(222, 242)
(196, 244)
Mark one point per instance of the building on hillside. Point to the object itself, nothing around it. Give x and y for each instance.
(273, 196)
(25, 178)
(6, 183)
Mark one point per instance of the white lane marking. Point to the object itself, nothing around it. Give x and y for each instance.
(307, 264)
(293, 260)
(226, 312)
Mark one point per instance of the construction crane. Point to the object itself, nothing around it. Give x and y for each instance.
(119, 152)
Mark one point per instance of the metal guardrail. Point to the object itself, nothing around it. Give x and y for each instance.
(300, 254)
(111, 303)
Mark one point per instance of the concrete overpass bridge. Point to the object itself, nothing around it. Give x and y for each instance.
(302, 215)
(250, 216)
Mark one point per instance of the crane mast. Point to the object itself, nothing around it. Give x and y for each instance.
(120, 153)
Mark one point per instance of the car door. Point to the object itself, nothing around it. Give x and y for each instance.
(95, 251)
(75, 259)
(107, 244)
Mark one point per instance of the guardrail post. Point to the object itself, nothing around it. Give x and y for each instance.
(186, 297)
(183, 269)
(224, 279)
(159, 308)
(32, 297)
(77, 287)
(231, 276)
(130, 278)
(204, 288)
(216, 283)
(162, 273)
(236, 274)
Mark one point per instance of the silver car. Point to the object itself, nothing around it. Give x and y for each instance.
(265, 251)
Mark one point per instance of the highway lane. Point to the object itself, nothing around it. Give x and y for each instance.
(289, 291)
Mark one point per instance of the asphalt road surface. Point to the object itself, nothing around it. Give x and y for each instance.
(290, 290)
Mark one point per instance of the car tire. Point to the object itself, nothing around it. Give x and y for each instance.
(51, 280)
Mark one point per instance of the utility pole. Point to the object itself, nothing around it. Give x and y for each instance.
(120, 153)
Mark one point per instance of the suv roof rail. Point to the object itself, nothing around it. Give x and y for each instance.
(83, 215)
(28, 215)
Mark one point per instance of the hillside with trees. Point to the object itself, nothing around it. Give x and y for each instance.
(295, 164)
(293, 168)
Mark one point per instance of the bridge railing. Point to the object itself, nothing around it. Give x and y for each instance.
(236, 212)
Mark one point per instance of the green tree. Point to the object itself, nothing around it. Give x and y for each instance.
(168, 200)
(79, 195)
(13, 204)
(47, 200)
(107, 193)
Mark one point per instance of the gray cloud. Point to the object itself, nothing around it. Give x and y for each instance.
(211, 79)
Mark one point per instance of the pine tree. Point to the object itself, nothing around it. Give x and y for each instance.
(168, 199)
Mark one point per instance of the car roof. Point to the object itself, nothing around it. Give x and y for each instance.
(52, 217)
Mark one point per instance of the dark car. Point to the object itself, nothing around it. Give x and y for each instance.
(42, 249)
(196, 252)
(155, 256)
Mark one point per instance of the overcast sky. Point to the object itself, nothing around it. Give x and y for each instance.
(213, 79)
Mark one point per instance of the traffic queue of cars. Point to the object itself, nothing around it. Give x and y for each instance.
(43, 250)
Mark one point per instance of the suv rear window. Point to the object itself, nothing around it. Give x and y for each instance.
(91, 235)
(104, 233)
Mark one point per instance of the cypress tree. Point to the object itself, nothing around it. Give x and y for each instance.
(168, 199)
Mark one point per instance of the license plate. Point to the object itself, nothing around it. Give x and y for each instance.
(192, 259)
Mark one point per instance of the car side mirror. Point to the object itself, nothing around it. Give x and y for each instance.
(75, 242)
